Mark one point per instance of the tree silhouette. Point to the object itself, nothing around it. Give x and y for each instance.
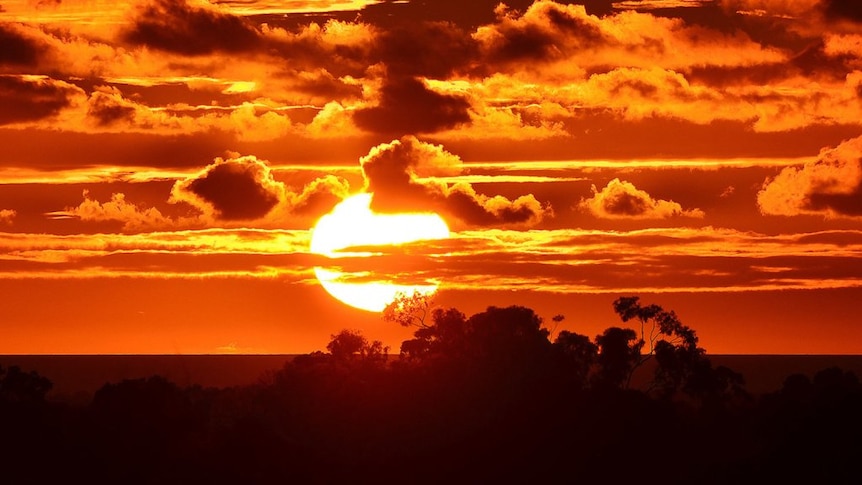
(19, 386)
(578, 354)
(445, 335)
(410, 310)
(349, 345)
(619, 355)
(681, 364)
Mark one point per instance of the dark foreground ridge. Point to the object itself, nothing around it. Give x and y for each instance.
(489, 398)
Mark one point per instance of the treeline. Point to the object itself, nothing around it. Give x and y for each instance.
(485, 399)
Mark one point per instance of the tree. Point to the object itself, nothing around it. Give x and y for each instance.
(349, 345)
(19, 386)
(681, 364)
(410, 310)
(445, 335)
(619, 355)
(578, 354)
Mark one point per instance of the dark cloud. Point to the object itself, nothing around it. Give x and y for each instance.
(432, 49)
(543, 32)
(243, 188)
(235, 189)
(107, 107)
(16, 49)
(843, 10)
(324, 85)
(811, 61)
(407, 106)
(177, 26)
(401, 175)
(33, 98)
(849, 204)
(319, 196)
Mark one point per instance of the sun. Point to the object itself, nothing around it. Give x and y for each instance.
(353, 224)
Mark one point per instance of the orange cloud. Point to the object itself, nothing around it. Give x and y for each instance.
(6, 216)
(134, 218)
(242, 188)
(19, 48)
(234, 189)
(192, 29)
(622, 200)
(551, 32)
(831, 185)
(776, 8)
(407, 105)
(401, 175)
(820, 10)
(33, 98)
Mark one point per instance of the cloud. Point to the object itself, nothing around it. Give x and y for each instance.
(133, 217)
(842, 10)
(809, 16)
(18, 49)
(241, 188)
(432, 49)
(401, 175)
(192, 29)
(319, 196)
(831, 185)
(7, 215)
(549, 32)
(107, 107)
(32, 98)
(340, 48)
(775, 8)
(407, 105)
(622, 200)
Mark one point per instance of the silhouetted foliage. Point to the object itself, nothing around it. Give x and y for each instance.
(578, 354)
(619, 354)
(681, 364)
(349, 345)
(410, 310)
(19, 386)
(481, 399)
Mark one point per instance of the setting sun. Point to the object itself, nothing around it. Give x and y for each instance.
(352, 224)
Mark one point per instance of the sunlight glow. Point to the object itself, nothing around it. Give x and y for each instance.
(352, 224)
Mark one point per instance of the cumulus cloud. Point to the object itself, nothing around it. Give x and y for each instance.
(225, 193)
(318, 196)
(341, 48)
(432, 49)
(18, 49)
(407, 105)
(107, 106)
(831, 185)
(622, 200)
(401, 175)
(32, 98)
(133, 217)
(7, 215)
(192, 29)
(551, 32)
(243, 188)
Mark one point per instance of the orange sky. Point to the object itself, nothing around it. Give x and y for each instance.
(163, 162)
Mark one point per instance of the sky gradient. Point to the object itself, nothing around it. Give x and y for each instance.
(164, 161)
